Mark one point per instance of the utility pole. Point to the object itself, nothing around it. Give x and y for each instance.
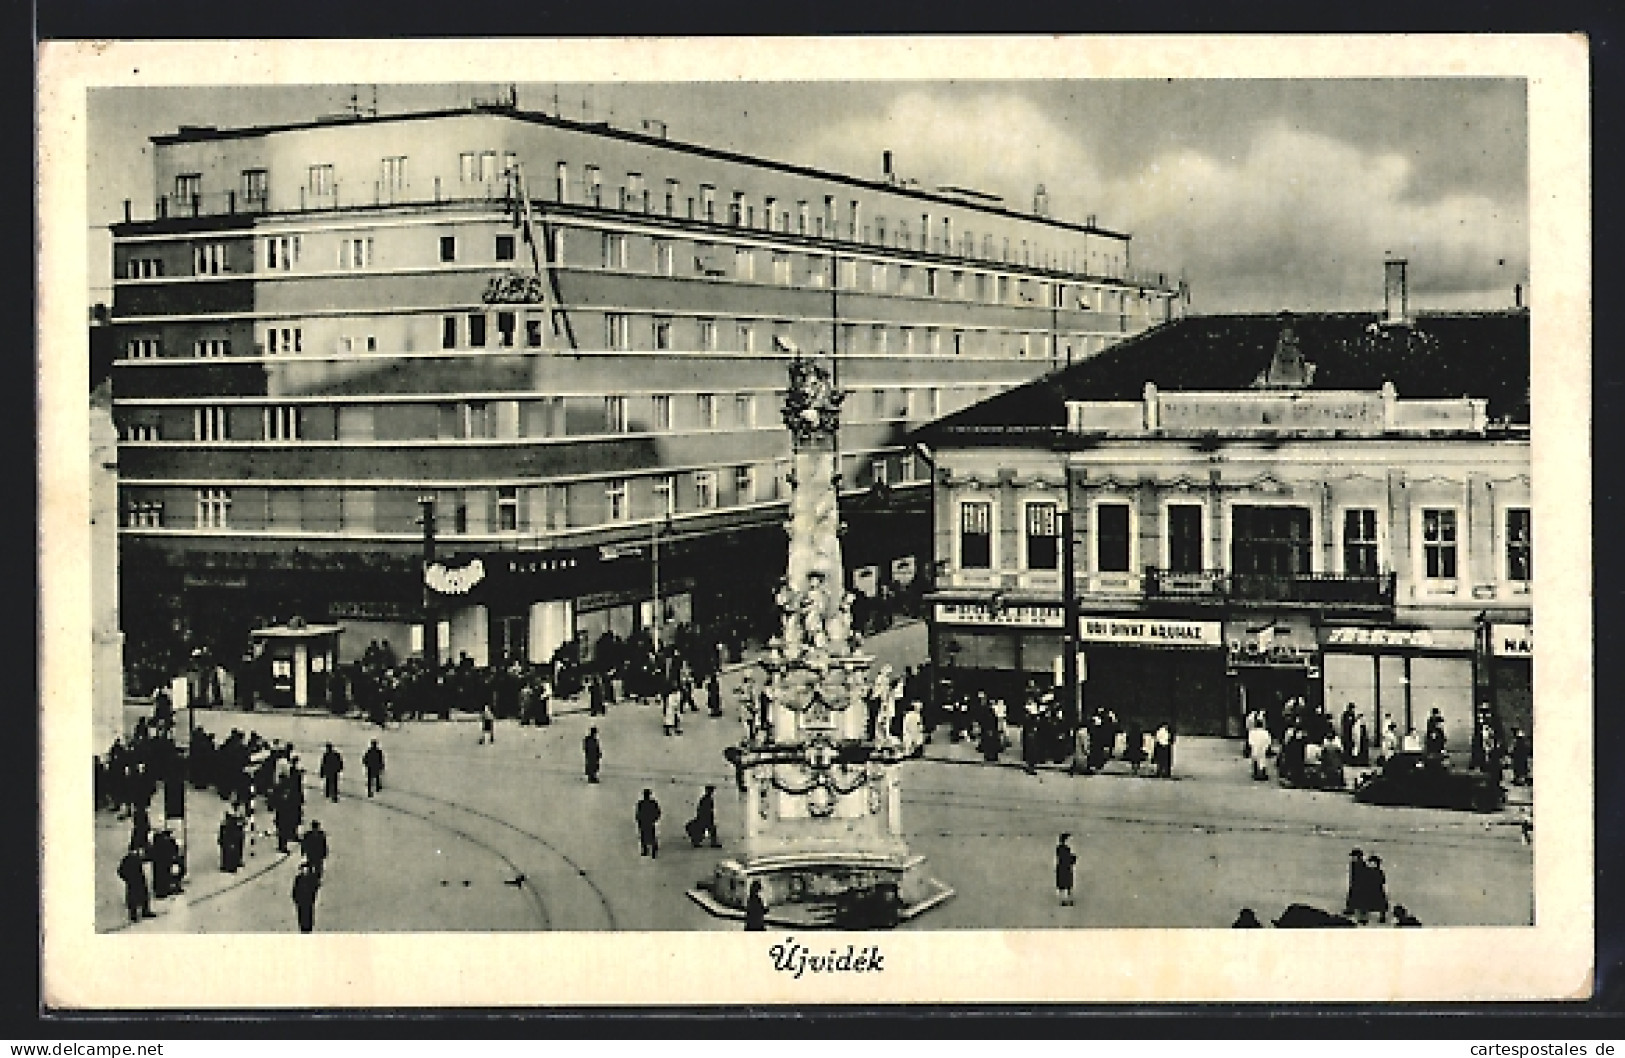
(654, 612)
(431, 623)
(1069, 615)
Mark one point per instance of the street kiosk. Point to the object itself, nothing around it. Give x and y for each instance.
(296, 663)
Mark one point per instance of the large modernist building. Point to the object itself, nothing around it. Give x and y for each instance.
(570, 338)
(1332, 507)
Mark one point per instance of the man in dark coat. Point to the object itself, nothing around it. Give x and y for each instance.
(1435, 739)
(332, 765)
(1356, 890)
(165, 854)
(595, 695)
(1376, 891)
(373, 762)
(132, 870)
(1348, 721)
(592, 753)
(713, 695)
(755, 910)
(306, 884)
(288, 814)
(314, 846)
(1065, 860)
(648, 814)
(231, 842)
(705, 819)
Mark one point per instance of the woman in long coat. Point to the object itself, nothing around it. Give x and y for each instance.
(1065, 860)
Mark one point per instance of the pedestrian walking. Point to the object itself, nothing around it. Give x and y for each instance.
(132, 871)
(306, 884)
(314, 846)
(166, 856)
(1356, 888)
(331, 766)
(704, 823)
(1376, 890)
(231, 841)
(372, 762)
(488, 725)
(713, 695)
(648, 815)
(913, 732)
(1520, 751)
(282, 814)
(1435, 738)
(1390, 740)
(592, 753)
(1065, 861)
(595, 695)
(1164, 751)
(1258, 749)
(755, 910)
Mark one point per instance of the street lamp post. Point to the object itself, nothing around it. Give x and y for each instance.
(654, 610)
(1069, 616)
(431, 624)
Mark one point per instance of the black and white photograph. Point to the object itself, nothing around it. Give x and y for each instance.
(995, 531)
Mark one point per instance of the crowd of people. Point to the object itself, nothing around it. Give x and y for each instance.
(1042, 733)
(386, 689)
(246, 771)
(1313, 750)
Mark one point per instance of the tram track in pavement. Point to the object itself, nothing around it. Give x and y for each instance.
(529, 884)
(530, 890)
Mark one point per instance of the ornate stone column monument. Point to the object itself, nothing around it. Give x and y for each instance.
(822, 797)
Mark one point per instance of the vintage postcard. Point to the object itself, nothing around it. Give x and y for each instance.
(705, 522)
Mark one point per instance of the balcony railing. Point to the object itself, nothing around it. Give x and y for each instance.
(1314, 589)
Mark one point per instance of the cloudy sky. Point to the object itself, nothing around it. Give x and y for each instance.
(1264, 195)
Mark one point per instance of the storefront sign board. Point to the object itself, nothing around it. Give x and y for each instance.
(1512, 641)
(976, 613)
(1150, 632)
(1440, 639)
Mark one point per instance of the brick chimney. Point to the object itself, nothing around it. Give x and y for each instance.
(1396, 310)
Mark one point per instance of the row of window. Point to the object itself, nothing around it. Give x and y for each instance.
(492, 420)
(827, 220)
(1268, 540)
(285, 252)
(626, 332)
(663, 495)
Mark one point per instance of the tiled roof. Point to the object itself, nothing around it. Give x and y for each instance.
(1475, 354)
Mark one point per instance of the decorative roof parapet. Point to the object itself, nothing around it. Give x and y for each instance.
(1278, 412)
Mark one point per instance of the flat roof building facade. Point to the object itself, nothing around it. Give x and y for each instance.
(570, 338)
(1261, 509)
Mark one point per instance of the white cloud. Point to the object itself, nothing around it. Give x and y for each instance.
(1290, 219)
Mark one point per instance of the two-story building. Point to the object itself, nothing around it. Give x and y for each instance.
(1333, 507)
